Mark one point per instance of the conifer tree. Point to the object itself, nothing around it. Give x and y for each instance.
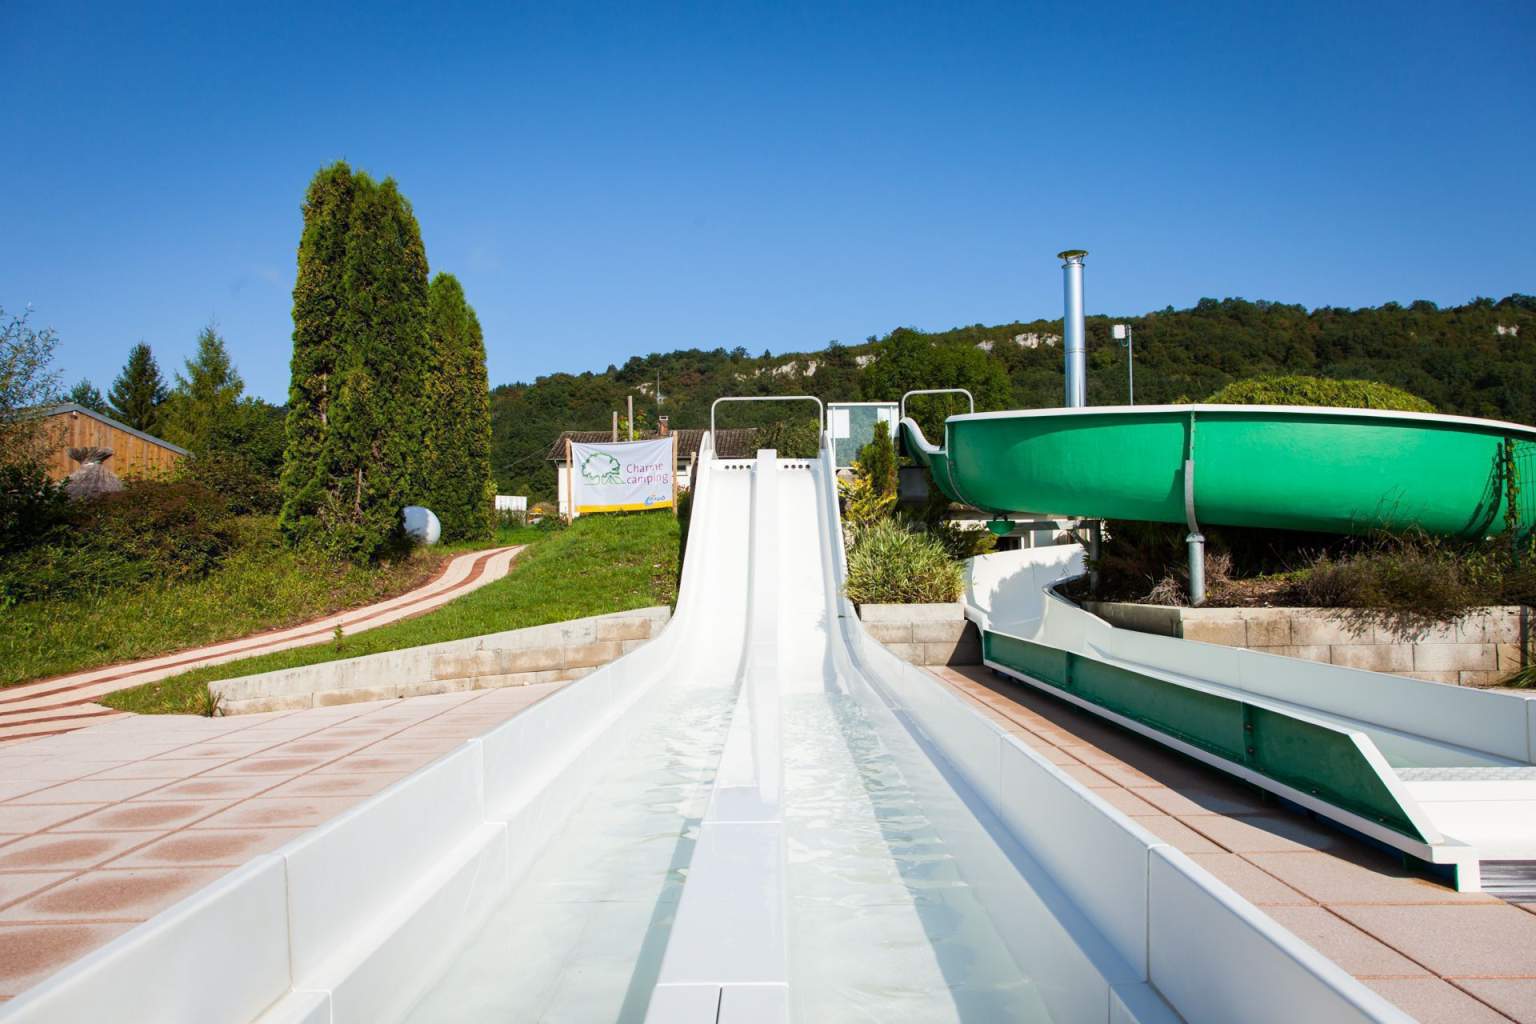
(139, 391)
(460, 490)
(206, 398)
(357, 449)
(88, 396)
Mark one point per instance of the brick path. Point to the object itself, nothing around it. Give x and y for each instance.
(65, 703)
(1444, 957)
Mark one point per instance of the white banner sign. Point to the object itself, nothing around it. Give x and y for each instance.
(622, 477)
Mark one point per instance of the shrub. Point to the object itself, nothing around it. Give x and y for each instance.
(245, 486)
(32, 507)
(180, 528)
(1298, 390)
(888, 564)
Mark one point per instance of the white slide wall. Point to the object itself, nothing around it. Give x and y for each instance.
(353, 921)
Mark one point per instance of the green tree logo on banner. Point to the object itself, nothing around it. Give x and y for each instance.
(600, 468)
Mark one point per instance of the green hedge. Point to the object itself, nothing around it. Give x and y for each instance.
(1297, 390)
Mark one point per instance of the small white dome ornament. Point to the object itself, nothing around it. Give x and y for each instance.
(421, 525)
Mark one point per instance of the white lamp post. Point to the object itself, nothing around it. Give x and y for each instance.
(1123, 334)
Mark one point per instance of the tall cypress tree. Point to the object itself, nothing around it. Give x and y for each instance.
(139, 391)
(357, 452)
(319, 300)
(460, 490)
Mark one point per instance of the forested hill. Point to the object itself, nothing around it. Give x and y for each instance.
(1476, 360)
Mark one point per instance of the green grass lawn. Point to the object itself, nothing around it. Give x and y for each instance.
(599, 564)
(261, 585)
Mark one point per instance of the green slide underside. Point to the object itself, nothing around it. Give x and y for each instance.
(1307, 757)
(1339, 471)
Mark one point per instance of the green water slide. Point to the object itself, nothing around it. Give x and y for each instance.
(1333, 470)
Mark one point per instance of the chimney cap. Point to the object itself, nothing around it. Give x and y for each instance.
(1071, 255)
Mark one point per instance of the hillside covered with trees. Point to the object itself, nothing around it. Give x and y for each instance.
(1478, 359)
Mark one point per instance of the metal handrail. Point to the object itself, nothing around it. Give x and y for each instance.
(821, 410)
(936, 391)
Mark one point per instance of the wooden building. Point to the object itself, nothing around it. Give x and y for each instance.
(134, 453)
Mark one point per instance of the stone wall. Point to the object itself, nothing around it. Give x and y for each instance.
(1484, 648)
(539, 654)
(924, 634)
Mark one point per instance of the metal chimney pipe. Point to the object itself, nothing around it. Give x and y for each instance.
(1072, 343)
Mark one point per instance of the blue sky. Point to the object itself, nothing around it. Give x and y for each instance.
(618, 179)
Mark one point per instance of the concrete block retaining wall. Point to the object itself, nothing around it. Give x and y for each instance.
(924, 634)
(1484, 648)
(538, 654)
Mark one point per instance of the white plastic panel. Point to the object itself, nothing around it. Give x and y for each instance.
(1218, 959)
(221, 954)
(346, 873)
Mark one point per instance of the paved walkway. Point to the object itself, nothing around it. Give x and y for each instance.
(1444, 957)
(105, 827)
(64, 703)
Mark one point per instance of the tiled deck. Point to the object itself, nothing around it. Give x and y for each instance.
(1444, 957)
(105, 827)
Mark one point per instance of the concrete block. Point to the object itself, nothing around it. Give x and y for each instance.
(428, 687)
(1482, 678)
(911, 612)
(630, 645)
(623, 629)
(955, 652)
(908, 652)
(1454, 678)
(355, 695)
(1491, 626)
(1321, 627)
(1510, 658)
(533, 659)
(1454, 657)
(257, 705)
(1144, 618)
(591, 655)
(564, 675)
(1228, 629)
(1373, 657)
(938, 632)
(1307, 652)
(453, 666)
(1267, 627)
(890, 632)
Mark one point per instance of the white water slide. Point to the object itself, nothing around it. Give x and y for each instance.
(761, 816)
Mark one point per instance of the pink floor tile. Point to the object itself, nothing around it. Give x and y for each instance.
(29, 953)
(89, 791)
(280, 811)
(1344, 944)
(145, 816)
(178, 768)
(1126, 802)
(1363, 877)
(17, 885)
(1177, 834)
(334, 785)
(26, 818)
(1484, 940)
(127, 895)
(263, 764)
(208, 847)
(1514, 997)
(1432, 1001)
(12, 788)
(1265, 833)
(49, 850)
(206, 787)
(1089, 776)
(398, 764)
(1256, 886)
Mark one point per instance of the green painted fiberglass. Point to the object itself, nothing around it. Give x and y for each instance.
(1333, 470)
